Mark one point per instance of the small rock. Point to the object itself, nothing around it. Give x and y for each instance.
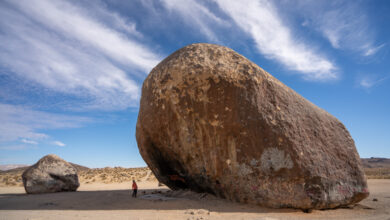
(348, 206)
(48, 204)
(189, 212)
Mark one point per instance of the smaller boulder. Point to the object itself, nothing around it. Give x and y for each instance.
(50, 174)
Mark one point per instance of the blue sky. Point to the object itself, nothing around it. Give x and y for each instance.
(71, 72)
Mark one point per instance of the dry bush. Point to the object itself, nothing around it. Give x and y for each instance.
(377, 173)
(115, 175)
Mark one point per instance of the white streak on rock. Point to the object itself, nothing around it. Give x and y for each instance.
(274, 159)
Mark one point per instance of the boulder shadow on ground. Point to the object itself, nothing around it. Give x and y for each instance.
(122, 200)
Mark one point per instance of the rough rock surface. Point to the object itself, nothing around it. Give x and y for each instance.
(212, 121)
(50, 174)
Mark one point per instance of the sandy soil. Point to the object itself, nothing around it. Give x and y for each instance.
(113, 201)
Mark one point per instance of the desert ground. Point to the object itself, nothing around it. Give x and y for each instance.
(104, 194)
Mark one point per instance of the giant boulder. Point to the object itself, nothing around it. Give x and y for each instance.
(50, 174)
(212, 121)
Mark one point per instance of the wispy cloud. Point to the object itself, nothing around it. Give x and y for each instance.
(344, 24)
(65, 48)
(372, 50)
(260, 21)
(59, 143)
(275, 40)
(22, 123)
(198, 15)
(26, 141)
(370, 81)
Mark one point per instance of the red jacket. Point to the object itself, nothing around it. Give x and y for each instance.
(135, 185)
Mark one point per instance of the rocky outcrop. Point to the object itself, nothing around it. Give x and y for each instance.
(50, 174)
(212, 121)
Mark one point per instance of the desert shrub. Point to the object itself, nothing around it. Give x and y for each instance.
(377, 173)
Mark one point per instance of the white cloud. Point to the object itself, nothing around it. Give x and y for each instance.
(275, 40)
(196, 14)
(59, 143)
(370, 81)
(26, 141)
(67, 49)
(23, 123)
(100, 12)
(344, 24)
(373, 50)
(366, 82)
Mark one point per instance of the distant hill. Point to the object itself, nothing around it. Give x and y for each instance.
(11, 166)
(15, 170)
(79, 167)
(376, 167)
(22, 168)
(376, 162)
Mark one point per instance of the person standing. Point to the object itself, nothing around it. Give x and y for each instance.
(135, 188)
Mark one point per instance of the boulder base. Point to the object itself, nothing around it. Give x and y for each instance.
(212, 121)
(50, 174)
